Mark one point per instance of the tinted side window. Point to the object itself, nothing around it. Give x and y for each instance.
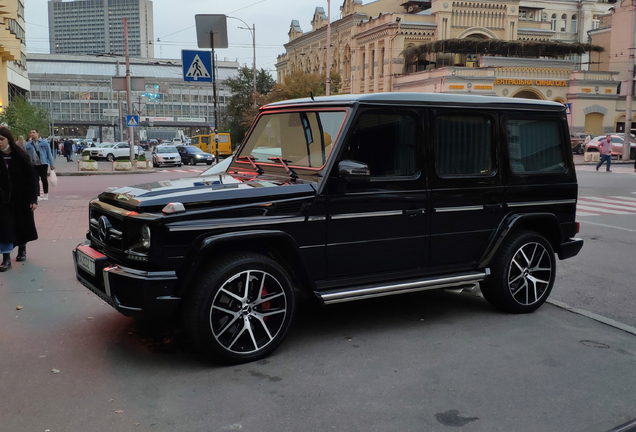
(535, 146)
(463, 145)
(386, 142)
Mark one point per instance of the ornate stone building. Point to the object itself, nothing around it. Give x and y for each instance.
(368, 43)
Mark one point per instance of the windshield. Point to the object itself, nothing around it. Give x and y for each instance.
(169, 149)
(302, 139)
(194, 149)
(219, 168)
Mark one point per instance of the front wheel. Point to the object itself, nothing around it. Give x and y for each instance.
(110, 157)
(522, 274)
(241, 310)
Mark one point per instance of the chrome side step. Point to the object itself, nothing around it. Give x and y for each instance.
(370, 291)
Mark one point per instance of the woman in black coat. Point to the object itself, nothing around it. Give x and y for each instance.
(18, 199)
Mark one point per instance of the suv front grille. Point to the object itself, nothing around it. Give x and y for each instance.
(106, 229)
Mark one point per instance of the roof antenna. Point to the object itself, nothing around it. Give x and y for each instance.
(311, 95)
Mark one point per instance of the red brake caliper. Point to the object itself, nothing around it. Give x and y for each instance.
(266, 305)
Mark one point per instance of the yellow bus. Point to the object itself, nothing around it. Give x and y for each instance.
(206, 143)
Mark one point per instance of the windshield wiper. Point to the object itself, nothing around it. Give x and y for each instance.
(250, 158)
(291, 172)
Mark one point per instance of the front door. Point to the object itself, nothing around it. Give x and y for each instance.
(380, 226)
(467, 196)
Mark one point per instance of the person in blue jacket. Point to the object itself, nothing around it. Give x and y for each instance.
(41, 157)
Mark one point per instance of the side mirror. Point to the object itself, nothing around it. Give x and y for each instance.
(354, 171)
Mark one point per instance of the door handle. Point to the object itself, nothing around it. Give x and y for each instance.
(493, 208)
(412, 212)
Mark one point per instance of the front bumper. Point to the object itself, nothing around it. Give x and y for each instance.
(569, 248)
(132, 292)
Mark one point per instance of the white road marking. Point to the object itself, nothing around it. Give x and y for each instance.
(601, 210)
(608, 226)
(581, 213)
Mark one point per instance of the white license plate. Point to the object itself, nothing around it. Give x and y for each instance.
(85, 262)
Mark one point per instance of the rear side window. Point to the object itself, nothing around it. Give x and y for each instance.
(535, 146)
(463, 145)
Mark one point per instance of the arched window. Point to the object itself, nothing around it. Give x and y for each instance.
(372, 64)
(553, 22)
(564, 23)
(381, 62)
(573, 26)
(364, 59)
(544, 17)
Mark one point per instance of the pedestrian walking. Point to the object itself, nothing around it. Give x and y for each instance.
(18, 199)
(68, 149)
(41, 157)
(21, 143)
(605, 148)
(54, 147)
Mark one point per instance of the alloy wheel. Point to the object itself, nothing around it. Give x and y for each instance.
(530, 273)
(248, 312)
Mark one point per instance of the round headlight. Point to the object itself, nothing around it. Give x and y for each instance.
(145, 237)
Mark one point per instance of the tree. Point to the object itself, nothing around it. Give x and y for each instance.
(242, 100)
(21, 116)
(301, 85)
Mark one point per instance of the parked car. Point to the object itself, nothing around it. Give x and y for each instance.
(617, 144)
(164, 155)
(343, 198)
(191, 155)
(578, 142)
(113, 151)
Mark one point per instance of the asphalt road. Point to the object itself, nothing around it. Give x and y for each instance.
(430, 361)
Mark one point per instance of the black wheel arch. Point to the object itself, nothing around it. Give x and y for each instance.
(545, 224)
(278, 245)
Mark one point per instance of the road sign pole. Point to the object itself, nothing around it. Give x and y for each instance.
(216, 114)
(131, 142)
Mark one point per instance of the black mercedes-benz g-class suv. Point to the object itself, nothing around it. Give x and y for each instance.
(346, 197)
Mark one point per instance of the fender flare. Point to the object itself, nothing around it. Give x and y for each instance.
(201, 248)
(509, 224)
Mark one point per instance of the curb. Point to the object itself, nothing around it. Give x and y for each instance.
(607, 321)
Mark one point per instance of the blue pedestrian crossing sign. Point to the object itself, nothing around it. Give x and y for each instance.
(132, 120)
(197, 65)
(568, 108)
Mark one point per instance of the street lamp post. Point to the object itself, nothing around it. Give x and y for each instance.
(253, 31)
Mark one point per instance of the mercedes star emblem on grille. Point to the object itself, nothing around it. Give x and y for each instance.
(104, 228)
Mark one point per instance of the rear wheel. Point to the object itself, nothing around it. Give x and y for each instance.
(241, 310)
(522, 274)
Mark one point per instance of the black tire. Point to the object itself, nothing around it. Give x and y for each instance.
(110, 157)
(232, 324)
(522, 274)
(192, 161)
(208, 163)
(179, 165)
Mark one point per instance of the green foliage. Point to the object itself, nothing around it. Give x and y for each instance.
(86, 152)
(21, 116)
(301, 85)
(242, 87)
(141, 158)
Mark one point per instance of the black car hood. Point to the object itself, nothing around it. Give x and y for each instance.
(200, 190)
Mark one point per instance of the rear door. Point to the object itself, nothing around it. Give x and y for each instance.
(467, 195)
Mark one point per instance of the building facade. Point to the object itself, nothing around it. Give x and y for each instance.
(369, 41)
(77, 92)
(13, 73)
(89, 27)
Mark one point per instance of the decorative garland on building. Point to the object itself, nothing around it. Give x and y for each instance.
(529, 49)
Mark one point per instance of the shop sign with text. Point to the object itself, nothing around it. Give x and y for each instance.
(530, 82)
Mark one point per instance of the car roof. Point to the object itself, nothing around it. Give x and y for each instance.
(414, 98)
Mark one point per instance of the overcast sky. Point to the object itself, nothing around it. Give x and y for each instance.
(174, 26)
